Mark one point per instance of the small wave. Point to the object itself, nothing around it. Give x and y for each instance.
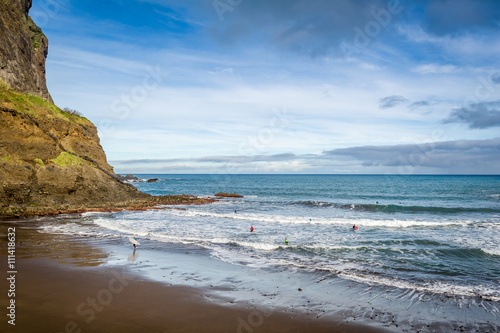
(284, 219)
(493, 252)
(349, 271)
(399, 208)
(434, 287)
(315, 203)
(86, 214)
(257, 246)
(119, 226)
(419, 209)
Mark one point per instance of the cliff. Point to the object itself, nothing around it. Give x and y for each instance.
(23, 50)
(51, 161)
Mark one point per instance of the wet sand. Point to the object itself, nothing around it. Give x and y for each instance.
(65, 285)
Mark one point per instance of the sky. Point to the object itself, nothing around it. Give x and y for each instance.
(282, 86)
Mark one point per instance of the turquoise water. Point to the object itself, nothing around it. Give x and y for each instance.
(437, 234)
(429, 233)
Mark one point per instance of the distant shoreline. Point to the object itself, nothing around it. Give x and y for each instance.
(318, 174)
(155, 202)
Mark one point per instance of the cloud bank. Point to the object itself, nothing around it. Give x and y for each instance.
(447, 157)
(477, 116)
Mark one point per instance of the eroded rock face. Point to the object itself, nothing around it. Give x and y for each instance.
(52, 160)
(23, 49)
(49, 159)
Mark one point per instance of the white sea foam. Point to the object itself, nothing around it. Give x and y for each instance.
(493, 252)
(86, 214)
(225, 234)
(284, 219)
(438, 287)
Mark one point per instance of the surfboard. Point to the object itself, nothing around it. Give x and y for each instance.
(133, 241)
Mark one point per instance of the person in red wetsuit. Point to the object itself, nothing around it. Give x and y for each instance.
(251, 228)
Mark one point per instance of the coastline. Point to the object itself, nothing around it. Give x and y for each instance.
(153, 202)
(65, 284)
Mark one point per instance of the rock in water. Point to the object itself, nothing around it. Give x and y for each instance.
(131, 177)
(228, 195)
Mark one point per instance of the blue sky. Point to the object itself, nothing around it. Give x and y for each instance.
(282, 86)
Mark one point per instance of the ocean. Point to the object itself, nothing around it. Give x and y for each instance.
(419, 235)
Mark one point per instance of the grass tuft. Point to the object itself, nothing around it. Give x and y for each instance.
(4, 85)
(67, 160)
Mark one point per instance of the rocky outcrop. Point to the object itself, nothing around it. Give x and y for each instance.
(23, 50)
(127, 178)
(228, 195)
(52, 160)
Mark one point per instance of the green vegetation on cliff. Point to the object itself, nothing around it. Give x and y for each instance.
(36, 34)
(4, 84)
(51, 160)
(66, 159)
(35, 106)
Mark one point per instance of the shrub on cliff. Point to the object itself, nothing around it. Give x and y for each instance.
(4, 84)
(72, 111)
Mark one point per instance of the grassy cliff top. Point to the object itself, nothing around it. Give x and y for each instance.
(34, 106)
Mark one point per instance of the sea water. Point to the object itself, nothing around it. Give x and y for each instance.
(427, 234)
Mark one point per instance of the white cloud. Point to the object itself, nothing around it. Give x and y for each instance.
(436, 69)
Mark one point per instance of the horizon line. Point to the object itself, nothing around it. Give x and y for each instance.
(310, 174)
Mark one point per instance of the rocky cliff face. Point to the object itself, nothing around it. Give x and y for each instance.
(52, 160)
(23, 49)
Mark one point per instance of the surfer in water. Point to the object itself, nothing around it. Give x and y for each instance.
(355, 227)
(251, 228)
(286, 241)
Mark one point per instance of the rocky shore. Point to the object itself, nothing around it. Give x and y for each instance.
(228, 195)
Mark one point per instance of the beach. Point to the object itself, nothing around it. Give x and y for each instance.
(270, 166)
(423, 259)
(66, 284)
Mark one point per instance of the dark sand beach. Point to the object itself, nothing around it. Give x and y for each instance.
(65, 284)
